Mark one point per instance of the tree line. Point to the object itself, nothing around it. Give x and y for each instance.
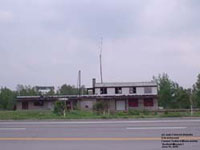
(173, 96)
(170, 94)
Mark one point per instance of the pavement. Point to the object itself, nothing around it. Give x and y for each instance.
(142, 134)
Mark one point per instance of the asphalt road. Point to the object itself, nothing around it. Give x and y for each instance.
(146, 134)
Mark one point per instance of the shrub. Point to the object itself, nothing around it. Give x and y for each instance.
(172, 114)
(166, 112)
(146, 112)
(133, 112)
(59, 107)
(121, 114)
(100, 106)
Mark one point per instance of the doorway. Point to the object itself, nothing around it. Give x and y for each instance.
(24, 105)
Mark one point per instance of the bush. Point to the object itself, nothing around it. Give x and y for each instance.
(146, 112)
(59, 107)
(133, 112)
(100, 106)
(121, 114)
(166, 112)
(173, 114)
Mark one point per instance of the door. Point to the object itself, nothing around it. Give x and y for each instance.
(24, 105)
(120, 105)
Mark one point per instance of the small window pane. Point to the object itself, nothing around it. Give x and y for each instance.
(132, 90)
(118, 90)
(103, 90)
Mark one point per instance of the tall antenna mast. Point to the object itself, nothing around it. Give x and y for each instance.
(79, 82)
(100, 58)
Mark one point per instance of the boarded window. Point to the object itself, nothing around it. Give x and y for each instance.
(103, 90)
(118, 90)
(132, 90)
(133, 102)
(148, 102)
(147, 89)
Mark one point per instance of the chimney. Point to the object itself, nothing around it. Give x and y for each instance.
(93, 82)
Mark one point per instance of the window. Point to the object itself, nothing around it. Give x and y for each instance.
(148, 102)
(147, 90)
(103, 90)
(133, 102)
(132, 90)
(118, 90)
(39, 103)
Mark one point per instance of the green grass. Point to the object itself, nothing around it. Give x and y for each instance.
(15, 115)
(77, 114)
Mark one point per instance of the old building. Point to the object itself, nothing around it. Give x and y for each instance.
(126, 95)
(120, 96)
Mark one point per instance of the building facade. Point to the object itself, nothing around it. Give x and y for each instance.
(123, 96)
(120, 96)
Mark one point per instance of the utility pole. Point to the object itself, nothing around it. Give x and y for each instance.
(191, 103)
(100, 58)
(79, 82)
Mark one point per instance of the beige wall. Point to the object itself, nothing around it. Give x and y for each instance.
(86, 104)
(112, 104)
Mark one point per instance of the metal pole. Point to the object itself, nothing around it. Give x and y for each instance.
(79, 79)
(191, 108)
(100, 57)
(64, 108)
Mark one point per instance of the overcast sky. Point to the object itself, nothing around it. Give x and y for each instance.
(46, 42)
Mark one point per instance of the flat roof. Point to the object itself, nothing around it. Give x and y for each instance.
(126, 84)
(74, 97)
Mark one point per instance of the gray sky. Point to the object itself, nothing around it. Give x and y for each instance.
(46, 42)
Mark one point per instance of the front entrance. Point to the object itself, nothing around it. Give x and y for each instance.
(24, 105)
(120, 105)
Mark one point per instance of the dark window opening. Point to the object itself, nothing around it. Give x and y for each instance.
(133, 102)
(118, 90)
(147, 90)
(148, 102)
(103, 90)
(132, 90)
(24, 105)
(39, 103)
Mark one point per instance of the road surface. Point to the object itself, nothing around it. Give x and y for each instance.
(142, 134)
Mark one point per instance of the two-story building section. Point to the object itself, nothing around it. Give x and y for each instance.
(127, 95)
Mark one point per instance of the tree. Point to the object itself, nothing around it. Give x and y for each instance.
(196, 92)
(164, 90)
(71, 90)
(170, 94)
(51, 92)
(181, 97)
(26, 90)
(7, 99)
